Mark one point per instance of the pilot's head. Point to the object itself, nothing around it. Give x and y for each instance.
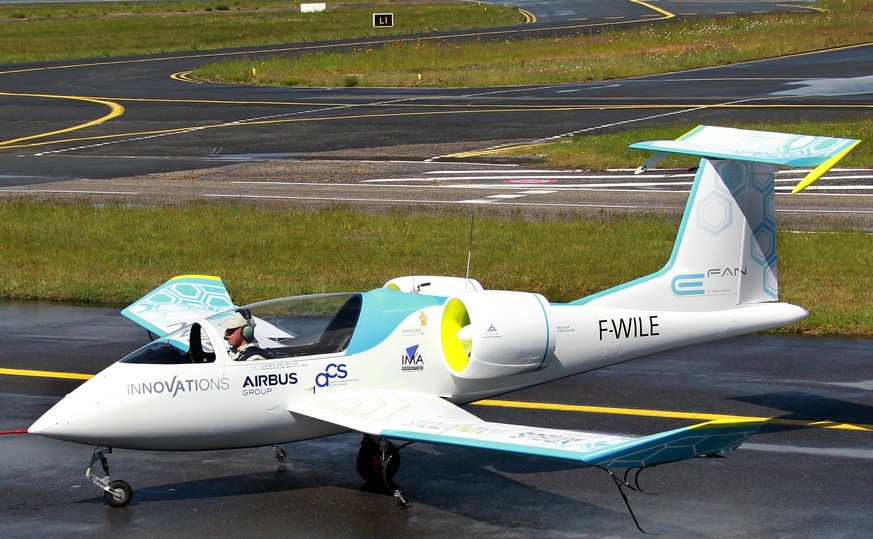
(237, 329)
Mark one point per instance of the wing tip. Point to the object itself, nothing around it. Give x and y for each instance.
(823, 168)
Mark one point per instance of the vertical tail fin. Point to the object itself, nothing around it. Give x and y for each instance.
(725, 254)
(725, 251)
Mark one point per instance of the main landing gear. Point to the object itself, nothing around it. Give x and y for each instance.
(378, 461)
(116, 493)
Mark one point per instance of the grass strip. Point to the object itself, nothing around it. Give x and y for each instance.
(653, 48)
(604, 151)
(91, 30)
(112, 255)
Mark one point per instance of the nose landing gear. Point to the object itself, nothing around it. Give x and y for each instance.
(116, 493)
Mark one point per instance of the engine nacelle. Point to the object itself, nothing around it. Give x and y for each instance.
(496, 333)
(433, 285)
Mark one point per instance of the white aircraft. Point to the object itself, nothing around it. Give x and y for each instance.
(399, 362)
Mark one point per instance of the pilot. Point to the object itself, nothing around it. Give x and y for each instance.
(239, 332)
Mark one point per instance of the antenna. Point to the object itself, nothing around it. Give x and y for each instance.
(470, 250)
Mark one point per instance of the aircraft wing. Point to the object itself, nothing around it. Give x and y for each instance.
(428, 418)
(182, 300)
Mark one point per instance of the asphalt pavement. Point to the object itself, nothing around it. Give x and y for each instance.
(794, 479)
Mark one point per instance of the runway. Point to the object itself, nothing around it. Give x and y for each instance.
(793, 480)
(105, 119)
(840, 200)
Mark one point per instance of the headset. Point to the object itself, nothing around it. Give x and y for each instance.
(248, 330)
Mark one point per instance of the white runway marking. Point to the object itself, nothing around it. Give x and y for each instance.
(70, 192)
(844, 182)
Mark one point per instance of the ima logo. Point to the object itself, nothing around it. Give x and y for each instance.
(411, 360)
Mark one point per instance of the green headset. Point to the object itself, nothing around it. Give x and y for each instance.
(248, 330)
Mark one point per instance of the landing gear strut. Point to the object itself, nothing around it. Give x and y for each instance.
(379, 461)
(116, 493)
(280, 453)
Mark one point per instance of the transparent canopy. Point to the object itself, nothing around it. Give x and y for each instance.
(283, 328)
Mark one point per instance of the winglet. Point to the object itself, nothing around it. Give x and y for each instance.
(822, 169)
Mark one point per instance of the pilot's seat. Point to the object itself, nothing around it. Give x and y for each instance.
(338, 333)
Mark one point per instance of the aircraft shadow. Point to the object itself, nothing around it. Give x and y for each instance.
(807, 411)
(505, 491)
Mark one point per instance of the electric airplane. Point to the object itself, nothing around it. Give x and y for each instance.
(398, 363)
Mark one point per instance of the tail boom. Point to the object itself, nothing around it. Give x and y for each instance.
(725, 251)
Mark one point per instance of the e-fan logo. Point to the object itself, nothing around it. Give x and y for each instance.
(689, 284)
(714, 281)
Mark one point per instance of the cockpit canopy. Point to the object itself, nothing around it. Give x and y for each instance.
(283, 328)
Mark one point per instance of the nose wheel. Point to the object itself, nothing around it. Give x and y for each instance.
(117, 493)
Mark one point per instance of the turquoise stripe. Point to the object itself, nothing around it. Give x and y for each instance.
(784, 156)
(564, 454)
(686, 217)
(382, 312)
(669, 446)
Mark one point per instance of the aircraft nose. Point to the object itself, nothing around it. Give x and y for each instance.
(67, 420)
(56, 415)
(57, 422)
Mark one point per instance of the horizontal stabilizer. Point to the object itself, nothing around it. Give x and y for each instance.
(182, 300)
(428, 418)
(781, 149)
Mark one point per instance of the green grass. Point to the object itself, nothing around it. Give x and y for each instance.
(112, 255)
(654, 48)
(600, 152)
(62, 31)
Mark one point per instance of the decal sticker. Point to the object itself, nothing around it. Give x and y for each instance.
(263, 384)
(626, 328)
(715, 281)
(411, 360)
(332, 373)
(491, 332)
(174, 386)
(418, 329)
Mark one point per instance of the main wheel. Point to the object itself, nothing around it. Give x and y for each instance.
(120, 495)
(369, 466)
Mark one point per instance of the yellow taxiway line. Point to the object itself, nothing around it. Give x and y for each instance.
(576, 408)
(46, 374)
(695, 416)
(115, 110)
